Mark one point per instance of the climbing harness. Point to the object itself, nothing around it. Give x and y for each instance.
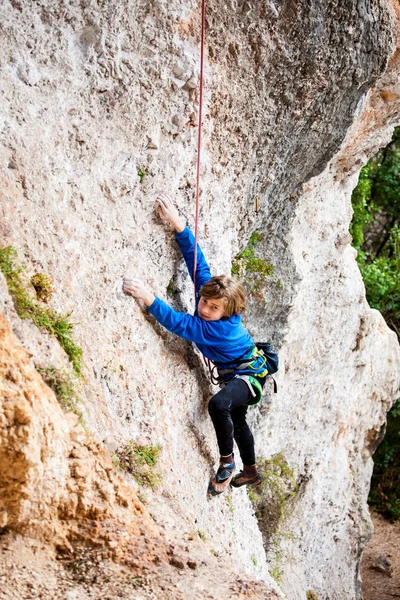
(213, 376)
(262, 362)
(254, 364)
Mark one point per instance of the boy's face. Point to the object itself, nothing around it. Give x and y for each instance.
(211, 309)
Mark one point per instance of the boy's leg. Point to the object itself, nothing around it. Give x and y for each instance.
(220, 407)
(245, 442)
(243, 436)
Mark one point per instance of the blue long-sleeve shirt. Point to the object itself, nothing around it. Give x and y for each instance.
(222, 341)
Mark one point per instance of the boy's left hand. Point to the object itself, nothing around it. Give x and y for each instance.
(137, 289)
(168, 212)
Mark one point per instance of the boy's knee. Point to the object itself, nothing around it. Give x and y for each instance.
(211, 406)
(216, 404)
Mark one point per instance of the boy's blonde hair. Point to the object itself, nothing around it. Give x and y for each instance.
(232, 293)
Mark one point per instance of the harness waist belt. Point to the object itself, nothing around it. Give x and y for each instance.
(238, 368)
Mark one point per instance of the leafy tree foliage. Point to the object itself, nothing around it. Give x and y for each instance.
(376, 236)
(376, 230)
(385, 485)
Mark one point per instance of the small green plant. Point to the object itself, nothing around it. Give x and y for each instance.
(192, 535)
(277, 574)
(311, 595)
(137, 581)
(141, 171)
(140, 461)
(254, 560)
(230, 504)
(171, 289)
(43, 285)
(63, 386)
(255, 238)
(247, 266)
(29, 307)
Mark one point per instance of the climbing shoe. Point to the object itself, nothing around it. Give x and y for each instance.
(225, 471)
(222, 479)
(240, 479)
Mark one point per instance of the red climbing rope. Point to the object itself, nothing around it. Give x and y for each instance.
(196, 227)
(214, 378)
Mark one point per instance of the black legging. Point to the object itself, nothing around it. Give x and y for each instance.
(228, 413)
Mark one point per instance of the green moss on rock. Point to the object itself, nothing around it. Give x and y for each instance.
(28, 306)
(140, 461)
(43, 285)
(249, 267)
(64, 388)
(272, 499)
(273, 502)
(141, 171)
(171, 289)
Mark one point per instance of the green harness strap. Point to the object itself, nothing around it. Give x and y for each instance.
(254, 386)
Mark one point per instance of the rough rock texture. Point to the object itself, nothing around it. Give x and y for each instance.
(380, 113)
(58, 484)
(28, 570)
(59, 487)
(341, 374)
(96, 97)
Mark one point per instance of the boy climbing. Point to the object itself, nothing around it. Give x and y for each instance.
(217, 330)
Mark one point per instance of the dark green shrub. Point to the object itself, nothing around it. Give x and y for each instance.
(385, 484)
(376, 236)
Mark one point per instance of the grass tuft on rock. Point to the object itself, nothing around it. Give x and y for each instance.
(142, 172)
(29, 307)
(140, 461)
(43, 285)
(171, 289)
(63, 386)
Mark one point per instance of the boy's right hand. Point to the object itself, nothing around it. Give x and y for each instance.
(137, 289)
(169, 213)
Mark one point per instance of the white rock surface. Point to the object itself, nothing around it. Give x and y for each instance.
(94, 94)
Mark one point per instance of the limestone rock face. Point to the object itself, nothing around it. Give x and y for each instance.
(99, 112)
(57, 483)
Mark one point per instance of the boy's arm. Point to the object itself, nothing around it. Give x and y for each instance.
(185, 240)
(186, 326)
